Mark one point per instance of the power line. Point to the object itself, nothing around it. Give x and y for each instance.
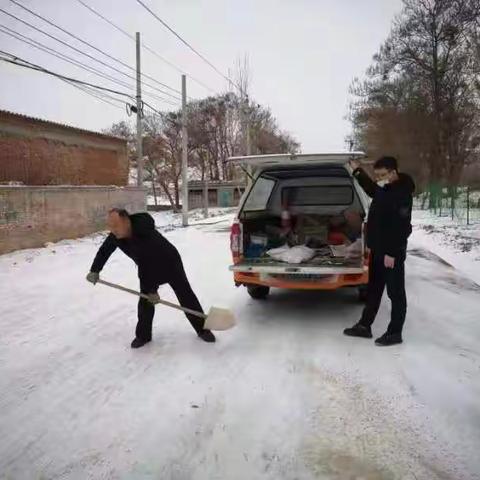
(92, 94)
(146, 47)
(151, 108)
(40, 46)
(97, 95)
(30, 41)
(84, 53)
(24, 63)
(179, 70)
(91, 46)
(185, 43)
(102, 95)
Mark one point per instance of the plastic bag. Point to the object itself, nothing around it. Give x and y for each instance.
(298, 254)
(354, 251)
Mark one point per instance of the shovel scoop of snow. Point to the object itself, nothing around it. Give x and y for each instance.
(219, 319)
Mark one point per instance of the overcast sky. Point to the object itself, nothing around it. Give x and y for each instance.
(303, 55)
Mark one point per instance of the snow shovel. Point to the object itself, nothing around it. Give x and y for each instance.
(217, 318)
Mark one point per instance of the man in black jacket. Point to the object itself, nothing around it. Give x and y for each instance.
(158, 262)
(388, 229)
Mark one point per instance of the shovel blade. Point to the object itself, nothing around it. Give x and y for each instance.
(219, 319)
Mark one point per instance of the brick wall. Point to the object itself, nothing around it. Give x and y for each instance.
(36, 152)
(32, 216)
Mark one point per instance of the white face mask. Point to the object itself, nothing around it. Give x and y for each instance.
(382, 183)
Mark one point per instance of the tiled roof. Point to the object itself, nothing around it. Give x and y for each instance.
(6, 113)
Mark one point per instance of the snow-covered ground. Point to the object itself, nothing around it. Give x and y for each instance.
(457, 244)
(282, 396)
(161, 200)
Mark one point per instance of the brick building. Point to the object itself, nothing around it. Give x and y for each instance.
(39, 152)
(69, 178)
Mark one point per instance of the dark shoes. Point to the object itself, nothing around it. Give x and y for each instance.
(207, 336)
(358, 330)
(388, 339)
(138, 342)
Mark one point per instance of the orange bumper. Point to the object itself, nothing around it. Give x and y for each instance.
(330, 282)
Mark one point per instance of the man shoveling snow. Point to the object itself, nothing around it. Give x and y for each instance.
(158, 263)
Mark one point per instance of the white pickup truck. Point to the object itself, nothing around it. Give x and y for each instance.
(305, 200)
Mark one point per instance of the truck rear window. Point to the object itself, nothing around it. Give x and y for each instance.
(318, 195)
(260, 194)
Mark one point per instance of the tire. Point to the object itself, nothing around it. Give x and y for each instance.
(362, 293)
(258, 292)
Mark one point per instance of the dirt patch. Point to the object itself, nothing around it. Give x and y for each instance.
(419, 252)
(341, 466)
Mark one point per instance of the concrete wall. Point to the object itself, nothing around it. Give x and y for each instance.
(31, 216)
(37, 152)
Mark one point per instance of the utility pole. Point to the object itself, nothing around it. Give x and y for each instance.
(205, 186)
(245, 124)
(139, 118)
(248, 143)
(184, 153)
(247, 127)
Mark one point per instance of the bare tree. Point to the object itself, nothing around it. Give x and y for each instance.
(425, 72)
(215, 134)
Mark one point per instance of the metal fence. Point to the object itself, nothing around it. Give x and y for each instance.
(459, 203)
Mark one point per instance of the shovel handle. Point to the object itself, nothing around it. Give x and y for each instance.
(143, 295)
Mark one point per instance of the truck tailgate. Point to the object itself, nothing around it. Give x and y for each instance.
(328, 267)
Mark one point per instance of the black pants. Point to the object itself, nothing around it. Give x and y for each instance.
(394, 278)
(177, 279)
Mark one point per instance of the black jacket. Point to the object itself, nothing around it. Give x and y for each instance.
(389, 218)
(154, 255)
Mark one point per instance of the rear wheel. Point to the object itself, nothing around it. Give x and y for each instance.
(362, 293)
(258, 292)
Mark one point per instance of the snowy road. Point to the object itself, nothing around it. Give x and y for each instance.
(283, 396)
